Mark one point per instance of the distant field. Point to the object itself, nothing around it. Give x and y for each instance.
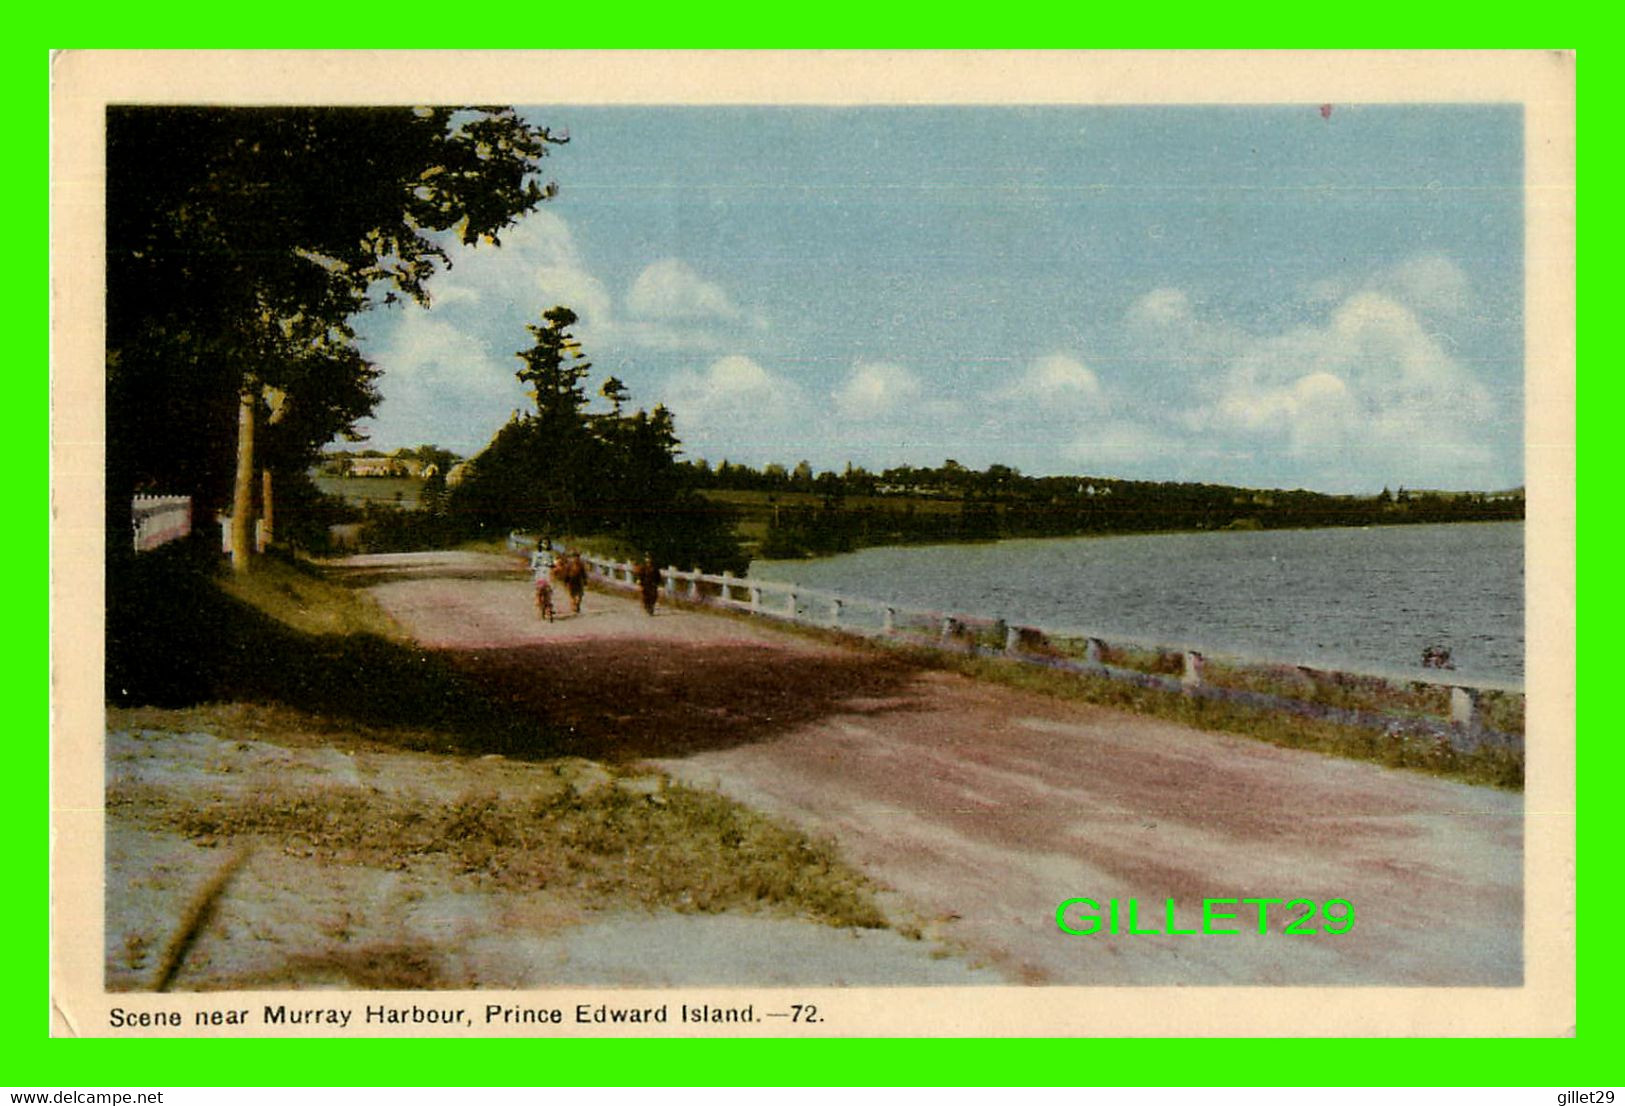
(762, 503)
(400, 490)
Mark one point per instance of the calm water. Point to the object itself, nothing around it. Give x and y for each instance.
(1367, 600)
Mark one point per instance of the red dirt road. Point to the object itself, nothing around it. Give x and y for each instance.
(984, 808)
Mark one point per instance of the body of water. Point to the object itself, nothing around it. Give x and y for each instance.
(1359, 599)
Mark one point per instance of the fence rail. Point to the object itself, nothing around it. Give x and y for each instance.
(159, 519)
(1332, 695)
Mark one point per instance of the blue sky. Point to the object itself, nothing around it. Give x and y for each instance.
(1265, 296)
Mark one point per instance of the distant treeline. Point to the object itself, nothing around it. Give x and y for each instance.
(801, 514)
(616, 476)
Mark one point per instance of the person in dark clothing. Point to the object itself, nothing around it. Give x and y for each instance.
(572, 573)
(575, 580)
(648, 577)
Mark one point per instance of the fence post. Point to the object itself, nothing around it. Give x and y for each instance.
(1012, 640)
(888, 623)
(1194, 663)
(947, 634)
(755, 598)
(727, 586)
(694, 585)
(1464, 710)
(835, 613)
(1094, 651)
(791, 608)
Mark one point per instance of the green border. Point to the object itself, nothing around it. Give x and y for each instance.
(36, 1060)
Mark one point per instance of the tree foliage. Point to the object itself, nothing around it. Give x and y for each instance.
(833, 513)
(242, 242)
(564, 469)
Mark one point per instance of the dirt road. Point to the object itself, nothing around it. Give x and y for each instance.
(984, 808)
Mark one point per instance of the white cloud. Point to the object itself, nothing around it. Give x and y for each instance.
(429, 349)
(1054, 380)
(729, 391)
(1175, 344)
(1055, 397)
(537, 266)
(1161, 307)
(1368, 390)
(1429, 283)
(671, 308)
(876, 390)
(440, 386)
(448, 372)
(670, 289)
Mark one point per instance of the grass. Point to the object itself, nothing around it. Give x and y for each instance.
(1394, 747)
(646, 842)
(1502, 710)
(1419, 700)
(362, 490)
(296, 595)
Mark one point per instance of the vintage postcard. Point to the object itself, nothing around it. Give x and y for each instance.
(829, 544)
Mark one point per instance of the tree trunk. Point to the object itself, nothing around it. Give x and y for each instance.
(242, 500)
(265, 537)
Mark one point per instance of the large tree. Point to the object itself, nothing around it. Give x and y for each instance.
(564, 470)
(240, 244)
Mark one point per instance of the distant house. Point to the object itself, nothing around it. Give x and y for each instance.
(385, 466)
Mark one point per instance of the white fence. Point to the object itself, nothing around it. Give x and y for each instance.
(1071, 650)
(158, 519)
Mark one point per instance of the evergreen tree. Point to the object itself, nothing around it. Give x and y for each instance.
(556, 370)
(565, 471)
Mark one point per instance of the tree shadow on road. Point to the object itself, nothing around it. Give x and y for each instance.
(627, 699)
(175, 639)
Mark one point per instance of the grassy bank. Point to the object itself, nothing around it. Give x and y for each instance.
(1404, 700)
(181, 631)
(1395, 746)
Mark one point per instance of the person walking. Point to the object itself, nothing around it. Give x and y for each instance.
(648, 577)
(541, 566)
(575, 580)
(544, 596)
